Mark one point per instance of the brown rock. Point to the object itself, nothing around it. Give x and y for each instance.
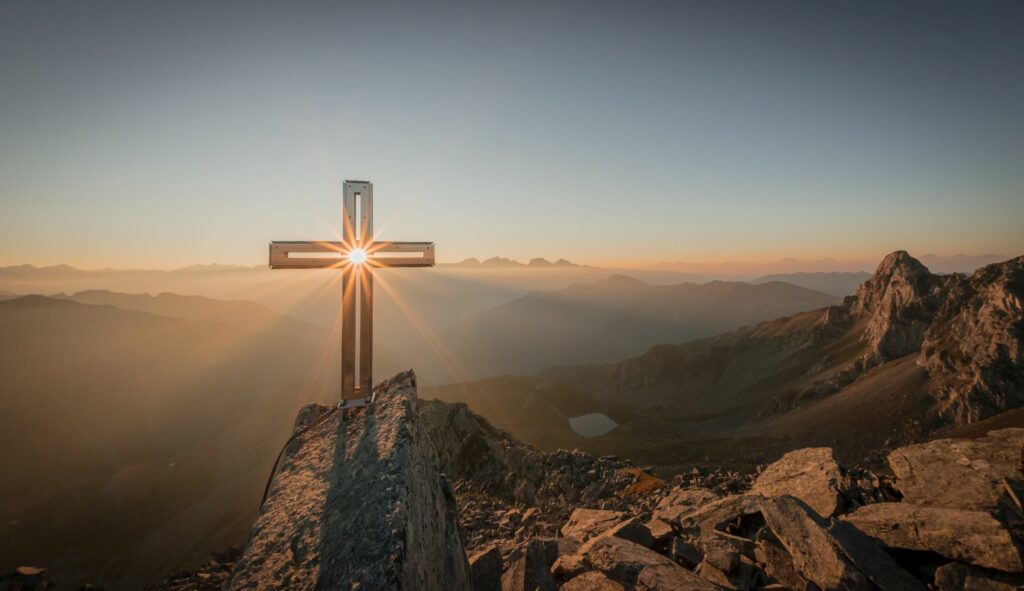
(485, 569)
(872, 560)
(584, 524)
(358, 502)
(592, 581)
(686, 552)
(529, 570)
(775, 561)
(959, 473)
(970, 536)
(811, 475)
(957, 576)
(632, 564)
(814, 551)
(660, 530)
(681, 501)
(568, 566)
(632, 530)
(716, 515)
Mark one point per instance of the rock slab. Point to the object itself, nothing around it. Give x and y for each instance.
(357, 503)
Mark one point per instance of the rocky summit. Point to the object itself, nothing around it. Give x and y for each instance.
(357, 503)
(427, 495)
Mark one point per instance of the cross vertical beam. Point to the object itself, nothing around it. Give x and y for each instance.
(357, 255)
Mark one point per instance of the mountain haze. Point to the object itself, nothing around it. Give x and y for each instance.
(612, 318)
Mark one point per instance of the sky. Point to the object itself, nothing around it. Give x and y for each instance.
(157, 135)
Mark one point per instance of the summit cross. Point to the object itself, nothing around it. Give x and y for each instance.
(356, 256)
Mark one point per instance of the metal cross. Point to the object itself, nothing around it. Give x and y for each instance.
(355, 256)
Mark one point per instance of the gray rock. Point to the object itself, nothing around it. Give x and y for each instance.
(957, 576)
(485, 569)
(358, 502)
(584, 524)
(970, 536)
(811, 475)
(961, 473)
(814, 550)
(592, 581)
(631, 564)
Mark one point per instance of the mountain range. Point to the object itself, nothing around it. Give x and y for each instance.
(614, 318)
(911, 352)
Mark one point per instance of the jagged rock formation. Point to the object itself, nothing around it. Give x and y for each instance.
(358, 502)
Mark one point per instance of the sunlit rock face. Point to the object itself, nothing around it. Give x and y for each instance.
(358, 502)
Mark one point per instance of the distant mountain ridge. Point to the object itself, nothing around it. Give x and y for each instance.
(837, 283)
(498, 262)
(910, 352)
(616, 317)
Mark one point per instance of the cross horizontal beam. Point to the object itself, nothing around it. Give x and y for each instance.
(303, 254)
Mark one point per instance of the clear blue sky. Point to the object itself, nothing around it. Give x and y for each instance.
(133, 134)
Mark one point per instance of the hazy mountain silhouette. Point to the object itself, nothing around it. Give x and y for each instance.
(240, 314)
(136, 443)
(614, 318)
(839, 284)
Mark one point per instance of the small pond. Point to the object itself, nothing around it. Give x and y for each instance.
(594, 424)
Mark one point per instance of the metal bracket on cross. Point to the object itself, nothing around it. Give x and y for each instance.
(356, 256)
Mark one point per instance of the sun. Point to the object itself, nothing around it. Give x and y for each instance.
(357, 256)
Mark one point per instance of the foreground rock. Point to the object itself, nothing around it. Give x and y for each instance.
(961, 473)
(971, 536)
(811, 475)
(358, 502)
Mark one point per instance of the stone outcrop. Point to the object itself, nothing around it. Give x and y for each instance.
(358, 502)
(974, 348)
(898, 303)
(960, 473)
(811, 475)
(973, 537)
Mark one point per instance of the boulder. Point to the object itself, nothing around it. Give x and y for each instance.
(775, 561)
(718, 514)
(814, 550)
(584, 524)
(592, 581)
(872, 560)
(485, 569)
(811, 475)
(960, 473)
(568, 566)
(529, 569)
(631, 564)
(632, 530)
(957, 576)
(358, 501)
(660, 530)
(681, 501)
(969, 536)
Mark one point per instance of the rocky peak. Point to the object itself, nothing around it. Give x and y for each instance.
(974, 348)
(358, 502)
(897, 303)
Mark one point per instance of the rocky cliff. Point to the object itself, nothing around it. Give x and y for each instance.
(358, 502)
